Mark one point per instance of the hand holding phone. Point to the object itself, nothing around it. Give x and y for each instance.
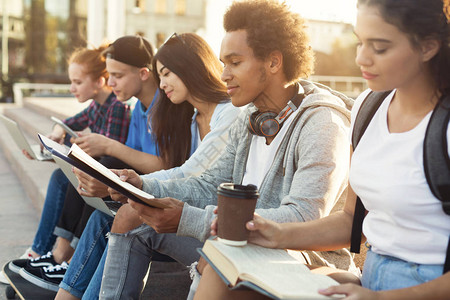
(66, 128)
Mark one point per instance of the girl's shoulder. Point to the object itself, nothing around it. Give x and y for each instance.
(225, 111)
(360, 100)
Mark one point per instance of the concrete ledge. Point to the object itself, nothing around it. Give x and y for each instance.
(33, 175)
(58, 107)
(33, 118)
(167, 281)
(30, 121)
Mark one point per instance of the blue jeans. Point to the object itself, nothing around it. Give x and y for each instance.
(93, 290)
(54, 202)
(383, 272)
(129, 256)
(82, 279)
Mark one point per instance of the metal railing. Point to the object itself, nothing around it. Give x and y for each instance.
(48, 88)
(348, 85)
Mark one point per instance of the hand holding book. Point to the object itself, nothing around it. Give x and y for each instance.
(81, 160)
(129, 176)
(88, 186)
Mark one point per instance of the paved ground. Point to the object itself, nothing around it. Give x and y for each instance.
(18, 218)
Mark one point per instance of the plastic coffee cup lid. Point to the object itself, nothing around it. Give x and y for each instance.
(238, 191)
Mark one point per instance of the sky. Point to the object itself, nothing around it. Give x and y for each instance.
(330, 10)
(333, 10)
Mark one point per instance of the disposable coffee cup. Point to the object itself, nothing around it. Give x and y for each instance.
(236, 205)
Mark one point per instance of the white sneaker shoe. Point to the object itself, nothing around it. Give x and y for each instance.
(27, 253)
(3, 278)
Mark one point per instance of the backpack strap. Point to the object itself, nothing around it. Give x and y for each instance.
(365, 114)
(436, 162)
(447, 259)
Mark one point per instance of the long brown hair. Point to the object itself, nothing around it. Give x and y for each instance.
(420, 20)
(193, 61)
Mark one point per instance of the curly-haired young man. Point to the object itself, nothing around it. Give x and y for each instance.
(291, 142)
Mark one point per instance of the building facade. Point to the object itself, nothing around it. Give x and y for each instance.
(39, 35)
(154, 19)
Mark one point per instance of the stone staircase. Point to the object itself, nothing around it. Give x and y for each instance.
(33, 118)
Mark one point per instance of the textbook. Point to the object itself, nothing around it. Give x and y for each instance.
(81, 160)
(271, 272)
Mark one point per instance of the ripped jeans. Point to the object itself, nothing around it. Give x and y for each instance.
(130, 254)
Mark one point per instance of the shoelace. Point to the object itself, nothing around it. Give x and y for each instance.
(48, 255)
(56, 268)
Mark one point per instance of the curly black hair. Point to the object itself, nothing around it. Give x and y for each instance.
(271, 26)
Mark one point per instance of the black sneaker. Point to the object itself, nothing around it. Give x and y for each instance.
(17, 264)
(39, 262)
(47, 277)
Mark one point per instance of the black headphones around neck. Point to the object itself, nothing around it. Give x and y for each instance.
(269, 123)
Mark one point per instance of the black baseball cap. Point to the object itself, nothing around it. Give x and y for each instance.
(131, 50)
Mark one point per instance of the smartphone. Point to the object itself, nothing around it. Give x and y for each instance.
(66, 128)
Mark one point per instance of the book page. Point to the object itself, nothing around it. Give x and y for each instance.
(275, 271)
(77, 152)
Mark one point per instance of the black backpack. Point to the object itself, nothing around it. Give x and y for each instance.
(435, 159)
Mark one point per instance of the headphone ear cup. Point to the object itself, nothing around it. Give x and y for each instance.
(263, 124)
(251, 125)
(268, 126)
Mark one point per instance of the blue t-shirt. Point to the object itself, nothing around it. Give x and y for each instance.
(140, 135)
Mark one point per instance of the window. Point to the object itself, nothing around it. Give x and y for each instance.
(160, 38)
(139, 6)
(180, 7)
(161, 7)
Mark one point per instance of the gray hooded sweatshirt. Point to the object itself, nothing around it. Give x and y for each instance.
(306, 179)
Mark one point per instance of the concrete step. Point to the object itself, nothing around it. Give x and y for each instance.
(33, 175)
(58, 107)
(30, 121)
(33, 118)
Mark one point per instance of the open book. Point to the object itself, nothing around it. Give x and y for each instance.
(272, 272)
(81, 160)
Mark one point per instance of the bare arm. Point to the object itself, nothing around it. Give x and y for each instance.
(437, 289)
(325, 234)
(139, 161)
(97, 145)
